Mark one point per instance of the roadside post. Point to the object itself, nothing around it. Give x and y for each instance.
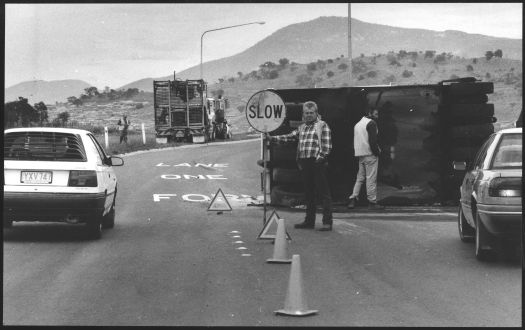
(106, 137)
(143, 134)
(265, 112)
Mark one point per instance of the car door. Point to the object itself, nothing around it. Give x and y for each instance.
(108, 174)
(471, 176)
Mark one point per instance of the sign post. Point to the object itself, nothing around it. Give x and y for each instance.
(265, 112)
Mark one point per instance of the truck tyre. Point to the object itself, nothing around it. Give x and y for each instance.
(471, 131)
(471, 110)
(283, 176)
(287, 195)
(283, 152)
(471, 88)
(462, 153)
(464, 99)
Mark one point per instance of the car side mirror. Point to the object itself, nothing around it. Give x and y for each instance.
(459, 166)
(116, 161)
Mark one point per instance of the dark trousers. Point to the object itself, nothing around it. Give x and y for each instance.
(315, 180)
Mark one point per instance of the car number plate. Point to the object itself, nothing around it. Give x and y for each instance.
(36, 177)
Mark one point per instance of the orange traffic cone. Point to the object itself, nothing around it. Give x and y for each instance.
(295, 303)
(279, 247)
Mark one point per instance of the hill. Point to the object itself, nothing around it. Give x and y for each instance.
(327, 37)
(47, 91)
(332, 72)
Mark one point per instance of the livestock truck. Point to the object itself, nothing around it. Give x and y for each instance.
(422, 130)
(180, 112)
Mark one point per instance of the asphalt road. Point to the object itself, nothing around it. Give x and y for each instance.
(170, 261)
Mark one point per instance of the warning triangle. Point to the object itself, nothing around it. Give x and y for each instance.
(271, 227)
(219, 202)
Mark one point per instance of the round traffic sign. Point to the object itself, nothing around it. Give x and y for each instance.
(265, 111)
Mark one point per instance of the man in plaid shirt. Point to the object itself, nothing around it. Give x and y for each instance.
(313, 147)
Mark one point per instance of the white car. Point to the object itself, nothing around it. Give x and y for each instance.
(58, 175)
(490, 208)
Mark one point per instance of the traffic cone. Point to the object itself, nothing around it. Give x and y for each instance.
(295, 303)
(279, 247)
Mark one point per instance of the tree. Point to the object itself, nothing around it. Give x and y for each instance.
(63, 117)
(498, 53)
(91, 91)
(430, 53)
(283, 62)
(342, 66)
(470, 68)
(231, 80)
(329, 74)
(41, 108)
(20, 113)
(407, 73)
(489, 54)
(273, 74)
(311, 66)
(239, 74)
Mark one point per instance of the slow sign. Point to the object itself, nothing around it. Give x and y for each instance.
(265, 111)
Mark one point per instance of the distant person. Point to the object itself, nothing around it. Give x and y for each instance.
(124, 123)
(314, 146)
(367, 152)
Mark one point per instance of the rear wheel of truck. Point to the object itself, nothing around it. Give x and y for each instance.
(283, 176)
(287, 195)
(471, 88)
(471, 131)
(284, 152)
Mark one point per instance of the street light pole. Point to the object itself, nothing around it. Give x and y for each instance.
(222, 28)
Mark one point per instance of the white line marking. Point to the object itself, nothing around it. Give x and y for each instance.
(234, 232)
(242, 248)
(238, 242)
(236, 236)
(246, 255)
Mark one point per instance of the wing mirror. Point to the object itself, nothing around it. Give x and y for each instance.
(116, 161)
(459, 166)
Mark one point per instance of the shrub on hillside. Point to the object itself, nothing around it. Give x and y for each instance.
(342, 66)
(371, 74)
(273, 74)
(430, 53)
(470, 68)
(329, 74)
(489, 54)
(474, 60)
(361, 77)
(139, 106)
(407, 73)
(311, 66)
(391, 78)
(358, 66)
(330, 61)
(241, 108)
(441, 58)
(304, 80)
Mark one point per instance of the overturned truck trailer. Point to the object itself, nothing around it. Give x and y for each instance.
(426, 128)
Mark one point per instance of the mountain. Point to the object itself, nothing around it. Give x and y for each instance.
(327, 37)
(320, 39)
(47, 91)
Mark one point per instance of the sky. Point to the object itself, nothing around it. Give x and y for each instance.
(115, 44)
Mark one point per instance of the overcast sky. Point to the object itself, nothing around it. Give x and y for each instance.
(115, 44)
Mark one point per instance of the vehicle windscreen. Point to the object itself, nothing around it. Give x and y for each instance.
(508, 153)
(44, 146)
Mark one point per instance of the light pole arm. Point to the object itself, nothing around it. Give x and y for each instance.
(222, 28)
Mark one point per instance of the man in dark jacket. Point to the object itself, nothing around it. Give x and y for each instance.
(367, 151)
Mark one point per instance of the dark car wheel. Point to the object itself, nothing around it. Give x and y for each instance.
(483, 251)
(94, 227)
(466, 232)
(109, 219)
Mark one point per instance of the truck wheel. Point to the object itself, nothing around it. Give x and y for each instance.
(471, 131)
(470, 110)
(280, 152)
(466, 232)
(462, 153)
(464, 99)
(471, 88)
(287, 195)
(286, 176)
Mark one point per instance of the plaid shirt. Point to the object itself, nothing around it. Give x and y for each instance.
(308, 146)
